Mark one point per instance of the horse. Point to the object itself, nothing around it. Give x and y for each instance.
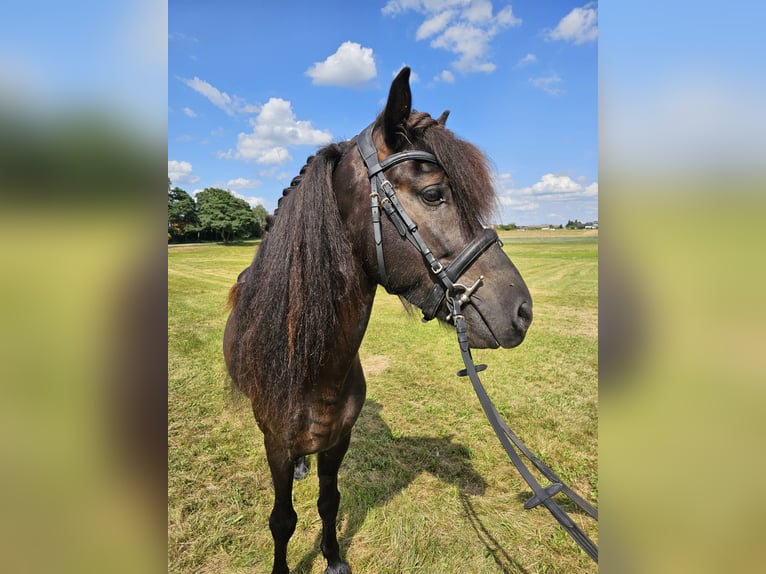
(402, 205)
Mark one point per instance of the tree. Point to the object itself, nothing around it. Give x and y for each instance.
(226, 216)
(260, 214)
(182, 214)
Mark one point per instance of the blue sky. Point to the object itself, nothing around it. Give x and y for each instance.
(256, 87)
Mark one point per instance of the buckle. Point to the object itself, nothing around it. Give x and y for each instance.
(387, 187)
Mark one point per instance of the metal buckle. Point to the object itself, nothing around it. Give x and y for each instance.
(390, 189)
(438, 269)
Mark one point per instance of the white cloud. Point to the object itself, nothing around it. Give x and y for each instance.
(478, 11)
(548, 84)
(434, 25)
(190, 112)
(554, 184)
(252, 201)
(181, 172)
(559, 197)
(518, 204)
(463, 27)
(471, 43)
(445, 76)
(551, 187)
(230, 105)
(526, 60)
(579, 26)
(350, 66)
(242, 183)
(275, 129)
(504, 178)
(506, 18)
(394, 7)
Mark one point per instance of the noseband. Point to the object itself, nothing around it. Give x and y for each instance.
(383, 195)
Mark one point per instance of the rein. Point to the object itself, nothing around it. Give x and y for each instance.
(383, 195)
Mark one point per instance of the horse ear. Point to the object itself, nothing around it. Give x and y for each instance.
(442, 121)
(397, 109)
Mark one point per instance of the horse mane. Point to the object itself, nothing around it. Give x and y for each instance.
(287, 305)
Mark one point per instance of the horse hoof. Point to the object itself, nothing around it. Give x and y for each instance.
(338, 568)
(301, 469)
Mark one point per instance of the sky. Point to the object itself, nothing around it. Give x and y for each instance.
(255, 87)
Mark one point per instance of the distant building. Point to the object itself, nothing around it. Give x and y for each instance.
(540, 227)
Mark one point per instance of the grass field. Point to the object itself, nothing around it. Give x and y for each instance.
(426, 486)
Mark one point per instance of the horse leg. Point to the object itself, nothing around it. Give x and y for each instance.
(328, 464)
(283, 517)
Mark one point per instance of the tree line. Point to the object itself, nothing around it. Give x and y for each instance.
(216, 215)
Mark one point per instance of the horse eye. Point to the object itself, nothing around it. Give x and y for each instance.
(432, 196)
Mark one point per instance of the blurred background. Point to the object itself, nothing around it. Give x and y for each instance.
(83, 121)
(682, 142)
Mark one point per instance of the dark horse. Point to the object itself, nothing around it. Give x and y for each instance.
(300, 310)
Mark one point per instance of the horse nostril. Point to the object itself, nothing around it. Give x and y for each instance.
(525, 312)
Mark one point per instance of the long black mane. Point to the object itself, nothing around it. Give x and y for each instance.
(287, 307)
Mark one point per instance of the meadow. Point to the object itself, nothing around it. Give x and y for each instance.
(425, 487)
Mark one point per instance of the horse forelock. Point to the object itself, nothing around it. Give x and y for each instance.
(464, 164)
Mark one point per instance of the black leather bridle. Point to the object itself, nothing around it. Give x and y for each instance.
(383, 195)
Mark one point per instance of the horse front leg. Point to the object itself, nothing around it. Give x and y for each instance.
(328, 464)
(283, 518)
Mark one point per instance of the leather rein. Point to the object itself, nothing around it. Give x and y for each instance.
(383, 196)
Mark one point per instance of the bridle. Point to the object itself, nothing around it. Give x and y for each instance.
(383, 195)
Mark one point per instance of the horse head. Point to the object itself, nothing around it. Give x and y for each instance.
(431, 193)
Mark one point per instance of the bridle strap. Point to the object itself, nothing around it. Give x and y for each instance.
(382, 194)
(369, 155)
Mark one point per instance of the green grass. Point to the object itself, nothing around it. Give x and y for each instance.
(426, 486)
